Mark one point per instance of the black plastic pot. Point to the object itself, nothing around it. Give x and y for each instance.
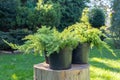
(61, 60)
(80, 54)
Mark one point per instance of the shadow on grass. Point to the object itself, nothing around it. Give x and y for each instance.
(104, 66)
(105, 54)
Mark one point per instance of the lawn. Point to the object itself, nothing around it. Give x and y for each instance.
(20, 67)
(104, 66)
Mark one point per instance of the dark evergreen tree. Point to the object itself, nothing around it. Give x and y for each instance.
(71, 11)
(96, 17)
(115, 28)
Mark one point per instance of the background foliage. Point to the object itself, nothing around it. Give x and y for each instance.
(115, 28)
(16, 16)
(8, 12)
(71, 11)
(32, 14)
(96, 17)
(14, 36)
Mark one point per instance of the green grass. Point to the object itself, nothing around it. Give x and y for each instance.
(20, 67)
(104, 66)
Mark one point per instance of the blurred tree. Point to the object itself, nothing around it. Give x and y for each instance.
(115, 27)
(71, 11)
(96, 17)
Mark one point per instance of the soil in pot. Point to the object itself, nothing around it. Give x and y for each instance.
(80, 54)
(61, 60)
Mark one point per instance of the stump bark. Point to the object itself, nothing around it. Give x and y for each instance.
(77, 72)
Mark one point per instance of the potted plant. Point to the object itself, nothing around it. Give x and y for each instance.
(57, 46)
(88, 37)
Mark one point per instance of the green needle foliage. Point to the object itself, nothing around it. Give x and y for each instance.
(71, 11)
(85, 33)
(50, 40)
(8, 12)
(47, 40)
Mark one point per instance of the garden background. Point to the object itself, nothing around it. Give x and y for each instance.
(19, 18)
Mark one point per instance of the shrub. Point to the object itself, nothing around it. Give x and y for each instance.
(14, 16)
(115, 27)
(14, 36)
(28, 3)
(8, 11)
(48, 14)
(21, 17)
(27, 18)
(44, 14)
(23, 2)
(4, 35)
(96, 17)
(31, 3)
(71, 11)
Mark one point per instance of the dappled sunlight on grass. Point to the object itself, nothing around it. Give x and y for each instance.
(104, 66)
(14, 77)
(107, 62)
(103, 74)
(18, 67)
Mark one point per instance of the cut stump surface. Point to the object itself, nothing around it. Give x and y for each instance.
(77, 72)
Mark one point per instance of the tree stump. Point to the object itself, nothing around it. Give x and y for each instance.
(77, 72)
